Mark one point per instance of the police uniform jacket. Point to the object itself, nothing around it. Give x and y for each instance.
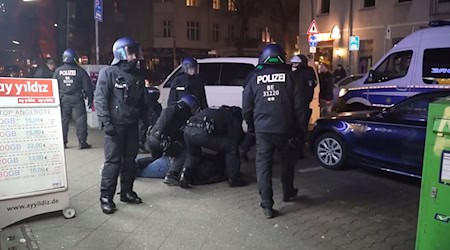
(43, 72)
(73, 80)
(172, 121)
(307, 80)
(119, 96)
(184, 84)
(270, 101)
(225, 124)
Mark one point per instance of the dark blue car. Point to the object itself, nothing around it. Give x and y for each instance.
(392, 139)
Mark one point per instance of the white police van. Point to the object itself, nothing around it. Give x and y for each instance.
(224, 78)
(418, 63)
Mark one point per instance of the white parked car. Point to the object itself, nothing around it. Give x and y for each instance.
(224, 78)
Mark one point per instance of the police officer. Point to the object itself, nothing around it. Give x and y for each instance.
(47, 70)
(188, 83)
(119, 100)
(218, 129)
(166, 137)
(153, 112)
(74, 86)
(306, 76)
(271, 107)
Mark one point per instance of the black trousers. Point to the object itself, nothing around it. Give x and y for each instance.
(74, 106)
(196, 138)
(266, 144)
(176, 151)
(120, 155)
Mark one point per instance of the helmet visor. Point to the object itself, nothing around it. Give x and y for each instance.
(131, 53)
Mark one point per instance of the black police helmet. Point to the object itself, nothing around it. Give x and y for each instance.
(123, 47)
(70, 56)
(192, 102)
(272, 54)
(189, 65)
(304, 59)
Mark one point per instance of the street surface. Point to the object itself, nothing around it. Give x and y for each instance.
(350, 209)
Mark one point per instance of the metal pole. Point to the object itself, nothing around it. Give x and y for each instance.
(97, 50)
(350, 30)
(67, 23)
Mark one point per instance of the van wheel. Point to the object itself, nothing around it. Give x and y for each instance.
(331, 151)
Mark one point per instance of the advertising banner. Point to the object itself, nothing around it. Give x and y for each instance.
(31, 145)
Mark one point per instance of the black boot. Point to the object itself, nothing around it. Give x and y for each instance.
(130, 197)
(291, 196)
(107, 205)
(171, 178)
(184, 178)
(84, 145)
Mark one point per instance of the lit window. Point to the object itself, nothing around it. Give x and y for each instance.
(231, 5)
(167, 27)
(192, 3)
(215, 32)
(193, 31)
(216, 4)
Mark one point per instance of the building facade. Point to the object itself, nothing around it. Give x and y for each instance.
(379, 24)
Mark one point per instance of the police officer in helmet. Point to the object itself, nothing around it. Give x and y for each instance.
(119, 100)
(306, 77)
(218, 129)
(74, 86)
(166, 137)
(153, 112)
(188, 83)
(271, 106)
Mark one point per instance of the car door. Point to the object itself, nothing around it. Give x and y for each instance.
(389, 83)
(230, 87)
(396, 139)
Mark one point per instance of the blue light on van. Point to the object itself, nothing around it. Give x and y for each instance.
(440, 70)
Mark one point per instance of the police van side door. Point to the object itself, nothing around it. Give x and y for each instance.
(232, 77)
(390, 82)
(210, 75)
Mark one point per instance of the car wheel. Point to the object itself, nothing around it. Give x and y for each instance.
(330, 150)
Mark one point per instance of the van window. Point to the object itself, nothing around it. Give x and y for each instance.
(394, 66)
(436, 66)
(209, 72)
(234, 74)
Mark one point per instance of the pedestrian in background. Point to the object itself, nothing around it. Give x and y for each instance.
(273, 110)
(339, 73)
(326, 90)
(47, 70)
(120, 104)
(74, 87)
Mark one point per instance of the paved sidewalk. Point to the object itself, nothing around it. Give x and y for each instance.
(352, 209)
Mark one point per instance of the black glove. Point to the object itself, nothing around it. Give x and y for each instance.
(110, 130)
(250, 128)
